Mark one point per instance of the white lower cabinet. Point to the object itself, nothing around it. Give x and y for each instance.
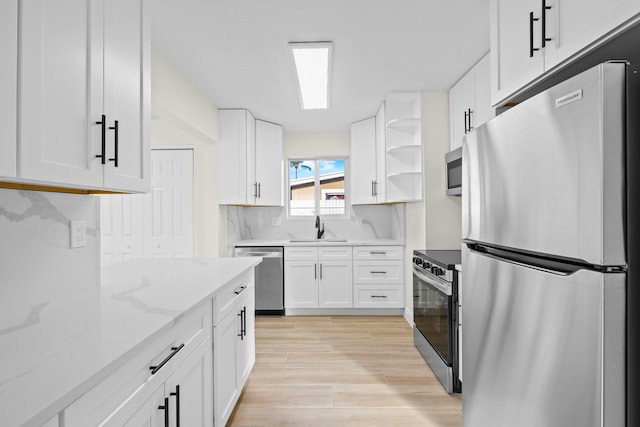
(318, 277)
(173, 371)
(378, 279)
(234, 347)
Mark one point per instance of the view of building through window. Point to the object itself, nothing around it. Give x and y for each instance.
(316, 187)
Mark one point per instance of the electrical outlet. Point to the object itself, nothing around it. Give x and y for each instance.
(78, 234)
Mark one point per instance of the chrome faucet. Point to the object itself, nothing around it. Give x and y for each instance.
(320, 227)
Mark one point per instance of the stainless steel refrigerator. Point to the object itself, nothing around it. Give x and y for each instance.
(544, 260)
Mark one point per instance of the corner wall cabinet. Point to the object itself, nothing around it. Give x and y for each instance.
(390, 146)
(532, 37)
(470, 102)
(8, 86)
(251, 160)
(84, 94)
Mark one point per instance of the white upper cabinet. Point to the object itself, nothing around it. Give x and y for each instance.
(470, 102)
(574, 24)
(84, 94)
(250, 160)
(236, 145)
(533, 37)
(269, 161)
(364, 176)
(8, 86)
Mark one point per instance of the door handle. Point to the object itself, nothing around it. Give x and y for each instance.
(545, 39)
(115, 143)
(531, 21)
(103, 124)
(177, 395)
(165, 408)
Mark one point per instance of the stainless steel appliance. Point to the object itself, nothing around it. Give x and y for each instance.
(453, 163)
(269, 278)
(544, 197)
(435, 301)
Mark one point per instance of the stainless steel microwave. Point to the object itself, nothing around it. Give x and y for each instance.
(453, 160)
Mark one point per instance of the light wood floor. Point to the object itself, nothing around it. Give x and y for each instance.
(342, 371)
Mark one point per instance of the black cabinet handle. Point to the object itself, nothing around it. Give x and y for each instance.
(378, 296)
(378, 272)
(320, 271)
(115, 143)
(466, 129)
(545, 39)
(259, 191)
(165, 408)
(177, 395)
(315, 271)
(531, 21)
(469, 113)
(174, 351)
(377, 252)
(103, 123)
(373, 188)
(239, 290)
(243, 323)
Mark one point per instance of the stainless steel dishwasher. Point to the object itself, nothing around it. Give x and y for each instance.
(269, 277)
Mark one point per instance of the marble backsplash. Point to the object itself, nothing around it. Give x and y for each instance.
(366, 222)
(36, 260)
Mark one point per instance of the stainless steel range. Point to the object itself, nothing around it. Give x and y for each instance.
(435, 300)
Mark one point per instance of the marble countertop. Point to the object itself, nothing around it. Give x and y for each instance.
(54, 352)
(323, 242)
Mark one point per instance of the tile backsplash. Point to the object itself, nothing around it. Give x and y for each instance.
(36, 260)
(366, 222)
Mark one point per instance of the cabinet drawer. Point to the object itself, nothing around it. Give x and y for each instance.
(335, 253)
(293, 253)
(225, 299)
(377, 252)
(365, 296)
(134, 380)
(377, 272)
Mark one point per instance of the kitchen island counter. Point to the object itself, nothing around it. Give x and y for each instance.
(56, 351)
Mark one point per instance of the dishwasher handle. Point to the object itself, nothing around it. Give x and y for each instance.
(254, 252)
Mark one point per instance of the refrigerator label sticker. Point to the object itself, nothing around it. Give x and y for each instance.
(568, 99)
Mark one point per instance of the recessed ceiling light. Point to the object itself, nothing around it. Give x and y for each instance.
(312, 61)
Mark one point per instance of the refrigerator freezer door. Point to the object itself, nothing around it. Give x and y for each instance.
(542, 349)
(547, 176)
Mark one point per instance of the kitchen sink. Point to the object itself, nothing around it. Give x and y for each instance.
(317, 240)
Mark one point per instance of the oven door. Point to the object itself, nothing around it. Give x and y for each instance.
(433, 313)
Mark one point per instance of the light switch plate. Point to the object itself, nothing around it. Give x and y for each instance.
(78, 234)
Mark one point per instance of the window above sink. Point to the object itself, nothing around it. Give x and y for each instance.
(316, 186)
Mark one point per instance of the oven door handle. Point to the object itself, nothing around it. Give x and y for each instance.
(444, 288)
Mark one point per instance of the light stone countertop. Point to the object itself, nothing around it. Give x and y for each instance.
(55, 352)
(321, 242)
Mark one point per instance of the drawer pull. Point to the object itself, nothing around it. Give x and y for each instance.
(174, 351)
(239, 290)
(378, 272)
(378, 252)
(379, 296)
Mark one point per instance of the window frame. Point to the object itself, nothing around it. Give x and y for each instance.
(317, 189)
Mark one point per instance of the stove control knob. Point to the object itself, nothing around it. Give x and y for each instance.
(426, 265)
(437, 271)
(417, 261)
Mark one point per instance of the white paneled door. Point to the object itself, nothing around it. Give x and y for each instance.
(170, 228)
(158, 224)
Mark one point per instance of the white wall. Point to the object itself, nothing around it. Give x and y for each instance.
(183, 116)
(316, 144)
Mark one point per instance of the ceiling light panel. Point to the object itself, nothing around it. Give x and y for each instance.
(312, 61)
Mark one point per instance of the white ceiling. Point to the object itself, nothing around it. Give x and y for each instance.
(236, 51)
